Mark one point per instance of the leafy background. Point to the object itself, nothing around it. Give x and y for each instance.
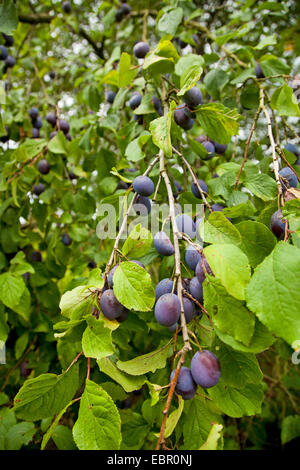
(47, 317)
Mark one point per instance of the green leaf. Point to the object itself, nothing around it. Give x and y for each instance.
(273, 292)
(214, 82)
(212, 441)
(96, 339)
(262, 186)
(98, 426)
(257, 240)
(128, 382)
(58, 144)
(284, 101)
(126, 74)
(147, 362)
(134, 150)
(133, 287)
(231, 266)
(229, 315)
(45, 395)
(63, 438)
(198, 416)
(219, 123)
(18, 435)
(174, 417)
(11, 289)
(267, 41)
(146, 106)
(189, 79)
(76, 303)
(272, 65)
(188, 62)
(169, 21)
(239, 402)
(218, 229)
(290, 428)
(160, 129)
(138, 242)
(53, 426)
(8, 17)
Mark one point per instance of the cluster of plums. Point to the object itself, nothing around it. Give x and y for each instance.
(9, 61)
(36, 122)
(204, 371)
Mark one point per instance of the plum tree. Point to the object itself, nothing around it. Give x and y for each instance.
(277, 224)
(288, 178)
(196, 289)
(110, 306)
(135, 100)
(143, 185)
(186, 225)
(182, 119)
(167, 309)
(192, 257)
(193, 97)
(163, 244)
(205, 369)
(165, 286)
(66, 239)
(44, 166)
(140, 49)
(186, 386)
(196, 191)
(202, 269)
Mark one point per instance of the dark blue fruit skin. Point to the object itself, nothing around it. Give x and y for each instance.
(163, 244)
(196, 289)
(123, 185)
(167, 309)
(67, 7)
(126, 9)
(186, 225)
(33, 113)
(37, 123)
(39, 189)
(178, 187)
(140, 49)
(288, 178)
(258, 71)
(3, 53)
(293, 149)
(66, 239)
(119, 15)
(9, 40)
(157, 105)
(165, 286)
(276, 224)
(44, 166)
(10, 61)
(190, 114)
(217, 207)
(123, 317)
(35, 133)
(186, 386)
(110, 306)
(182, 119)
(138, 262)
(110, 96)
(219, 148)
(64, 126)
(210, 148)
(36, 257)
(143, 185)
(144, 202)
(205, 369)
(193, 97)
(189, 309)
(111, 275)
(196, 191)
(200, 271)
(53, 134)
(192, 257)
(135, 100)
(51, 118)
